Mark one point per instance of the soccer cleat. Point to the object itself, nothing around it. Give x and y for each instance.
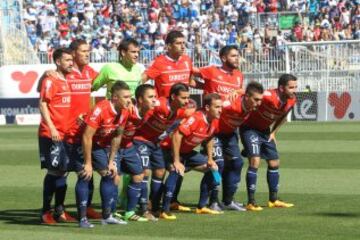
(178, 207)
(65, 217)
(167, 216)
(47, 218)
(279, 204)
(84, 223)
(92, 214)
(235, 207)
(206, 210)
(216, 206)
(149, 216)
(112, 220)
(132, 216)
(253, 207)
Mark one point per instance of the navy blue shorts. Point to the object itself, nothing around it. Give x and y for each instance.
(75, 153)
(131, 161)
(190, 160)
(100, 159)
(53, 155)
(256, 144)
(151, 155)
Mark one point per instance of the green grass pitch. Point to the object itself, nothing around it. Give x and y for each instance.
(320, 173)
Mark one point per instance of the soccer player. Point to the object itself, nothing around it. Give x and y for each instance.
(127, 69)
(54, 105)
(146, 139)
(172, 67)
(107, 118)
(234, 112)
(80, 80)
(227, 81)
(131, 162)
(258, 137)
(181, 156)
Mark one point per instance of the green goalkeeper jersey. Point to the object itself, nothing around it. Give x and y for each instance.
(112, 72)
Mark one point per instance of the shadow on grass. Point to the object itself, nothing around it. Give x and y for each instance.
(28, 217)
(337, 214)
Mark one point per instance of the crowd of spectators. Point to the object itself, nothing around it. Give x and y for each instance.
(206, 23)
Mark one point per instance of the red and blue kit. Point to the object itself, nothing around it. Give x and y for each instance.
(167, 72)
(195, 129)
(56, 93)
(80, 86)
(217, 80)
(158, 120)
(106, 120)
(270, 110)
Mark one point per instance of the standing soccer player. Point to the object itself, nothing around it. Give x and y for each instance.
(258, 138)
(107, 118)
(146, 139)
(181, 156)
(127, 69)
(226, 80)
(234, 112)
(54, 108)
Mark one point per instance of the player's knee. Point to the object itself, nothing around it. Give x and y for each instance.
(160, 173)
(254, 162)
(137, 178)
(238, 164)
(103, 173)
(147, 172)
(274, 164)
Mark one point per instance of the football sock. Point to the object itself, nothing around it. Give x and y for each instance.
(48, 191)
(232, 176)
(251, 177)
(206, 184)
(60, 193)
(82, 196)
(177, 189)
(133, 194)
(214, 191)
(91, 191)
(114, 203)
(273, 182)
(156, 188)
(107, 195)
(144, 194)
(170, 185)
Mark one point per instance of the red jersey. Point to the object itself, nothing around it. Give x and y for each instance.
(134, 122)
(217, 80)
(106, 120)
(158, 120)
(166, 72)
(270, 110)
(195, 129)
(56, 93)
(232, 115)
(80, 86)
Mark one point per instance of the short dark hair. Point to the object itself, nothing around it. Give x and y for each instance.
(209, 98)
(119, 85)
(177, 88)
(172, 36)
(285, 78)
(141, 89)
(225, 50)
(124, 44)
(74, 45)
(254, 87)
(58, 53)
